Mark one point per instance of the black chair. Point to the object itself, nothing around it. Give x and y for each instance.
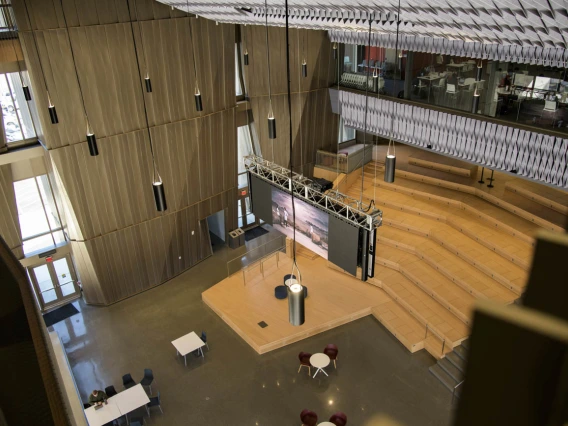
(127, 381)
(155, 402)
(204, 338)
(86, 405)
(137, 421)
(148, 379)
(110, 391)
(281, 292)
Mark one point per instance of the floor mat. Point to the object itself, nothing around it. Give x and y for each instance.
(60, 314)
(253, 233)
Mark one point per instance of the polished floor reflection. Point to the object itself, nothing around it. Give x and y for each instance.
(232, 385)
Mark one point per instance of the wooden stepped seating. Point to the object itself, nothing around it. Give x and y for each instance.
(452, 297)
(453, 267)
(552, 198)
(441, 167)
(421, 306)
(470, 203)
(407, 329)
(513, 249)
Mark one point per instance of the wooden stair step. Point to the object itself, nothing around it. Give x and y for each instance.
(432, 282)
(401, 324)
(422, 306)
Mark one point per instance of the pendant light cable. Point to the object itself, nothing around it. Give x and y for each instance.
(391, 142)
(270, 111)
(366, 112)
(75, 67)
(341, 126)
(12, 26)
(192, 49)
(155, 172)
(147, 74)
(300, 70)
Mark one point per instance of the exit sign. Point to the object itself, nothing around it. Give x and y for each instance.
(243, 192)
(49, 259)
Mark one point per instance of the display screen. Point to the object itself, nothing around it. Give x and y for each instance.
(311, 223)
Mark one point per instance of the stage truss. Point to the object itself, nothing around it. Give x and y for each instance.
(333, 202)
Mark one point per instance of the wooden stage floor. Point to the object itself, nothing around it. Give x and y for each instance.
(334, 299)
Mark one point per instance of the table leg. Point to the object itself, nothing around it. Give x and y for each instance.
(323, 371)
(201, 349)
(126, 415)
(317, 371)
(185, 360)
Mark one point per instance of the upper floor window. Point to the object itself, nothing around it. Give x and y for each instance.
(18, 124)
(39, 220)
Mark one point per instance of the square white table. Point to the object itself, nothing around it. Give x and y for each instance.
(187, 344)
(130, 399)
(106, 414)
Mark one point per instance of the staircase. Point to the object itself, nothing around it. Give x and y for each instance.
(450, 369)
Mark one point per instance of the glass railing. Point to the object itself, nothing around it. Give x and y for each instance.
(255, 256)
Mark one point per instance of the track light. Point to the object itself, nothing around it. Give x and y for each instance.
(148, 83)
(296, 302)
(246, 57)
(304, 68)
(198, 102)
(334, 50)
(52, 111)
(27, 93)
(271, 125)
(159, 194)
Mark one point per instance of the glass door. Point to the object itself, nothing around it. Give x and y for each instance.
(54, 282)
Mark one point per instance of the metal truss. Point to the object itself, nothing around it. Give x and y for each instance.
(340, 205)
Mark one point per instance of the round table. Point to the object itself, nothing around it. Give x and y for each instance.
(326, 424)
(320, 361)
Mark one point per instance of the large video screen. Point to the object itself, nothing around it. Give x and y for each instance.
(311, 224)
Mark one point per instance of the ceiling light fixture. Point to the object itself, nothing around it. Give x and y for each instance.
(91, 138)
(271, 118)
(198, 101)
(296, 293)
(51, 106)
(157, 183)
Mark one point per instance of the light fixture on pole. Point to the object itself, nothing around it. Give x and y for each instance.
(157, 183)
(296, 293)
(51, 107)
(271, 118)
(91, 138)
(198, 100)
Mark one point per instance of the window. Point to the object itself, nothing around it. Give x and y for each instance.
(38, 217)
(244, 149)
(18, 124)
(238, 86)
(346, 134)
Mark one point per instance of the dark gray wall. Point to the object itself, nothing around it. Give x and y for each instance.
(261, 196)
(343, 244)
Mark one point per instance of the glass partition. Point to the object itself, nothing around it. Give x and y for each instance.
(533, 95)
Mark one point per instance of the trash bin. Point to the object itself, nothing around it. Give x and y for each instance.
(234, 239)
(241, 235)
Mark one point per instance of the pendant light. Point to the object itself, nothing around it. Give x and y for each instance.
(51, 107)
(334, 48)
(246, 53)
(147, 80)
(198, 101)
(296, 293)
(157, 183)
(10, 18)
(148, 83)
(304, 62)
(390, 161)
(375, 73)
(91, 138)
(271, 117)
(479, 71)
(304, 68)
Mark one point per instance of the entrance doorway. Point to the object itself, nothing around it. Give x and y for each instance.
(54, 282)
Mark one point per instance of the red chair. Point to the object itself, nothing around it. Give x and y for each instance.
(309, 418)
(338, 419)
(305, 362)
(331, 351)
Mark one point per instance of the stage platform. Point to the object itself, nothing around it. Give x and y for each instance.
(334, 298)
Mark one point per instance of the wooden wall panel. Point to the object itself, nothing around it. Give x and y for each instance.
(9, 223)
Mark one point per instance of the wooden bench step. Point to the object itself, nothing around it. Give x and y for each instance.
(401, 324)
(432, 165)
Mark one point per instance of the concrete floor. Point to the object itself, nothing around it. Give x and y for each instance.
(233, 385)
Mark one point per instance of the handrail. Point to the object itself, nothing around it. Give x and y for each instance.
(280, 241)
(455, 387)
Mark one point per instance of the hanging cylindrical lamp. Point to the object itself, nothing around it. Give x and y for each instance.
(375, 73)
(271, 123)
(92, 142)
(159, 193)
(148, 83)
(334, 50)
(198, 102)
(304, 68)
(27, 93)
(246, 57)
(296, 302)
(390, 164)
(475, 105)
(400, 54)
(52, 111)
(479, 71)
